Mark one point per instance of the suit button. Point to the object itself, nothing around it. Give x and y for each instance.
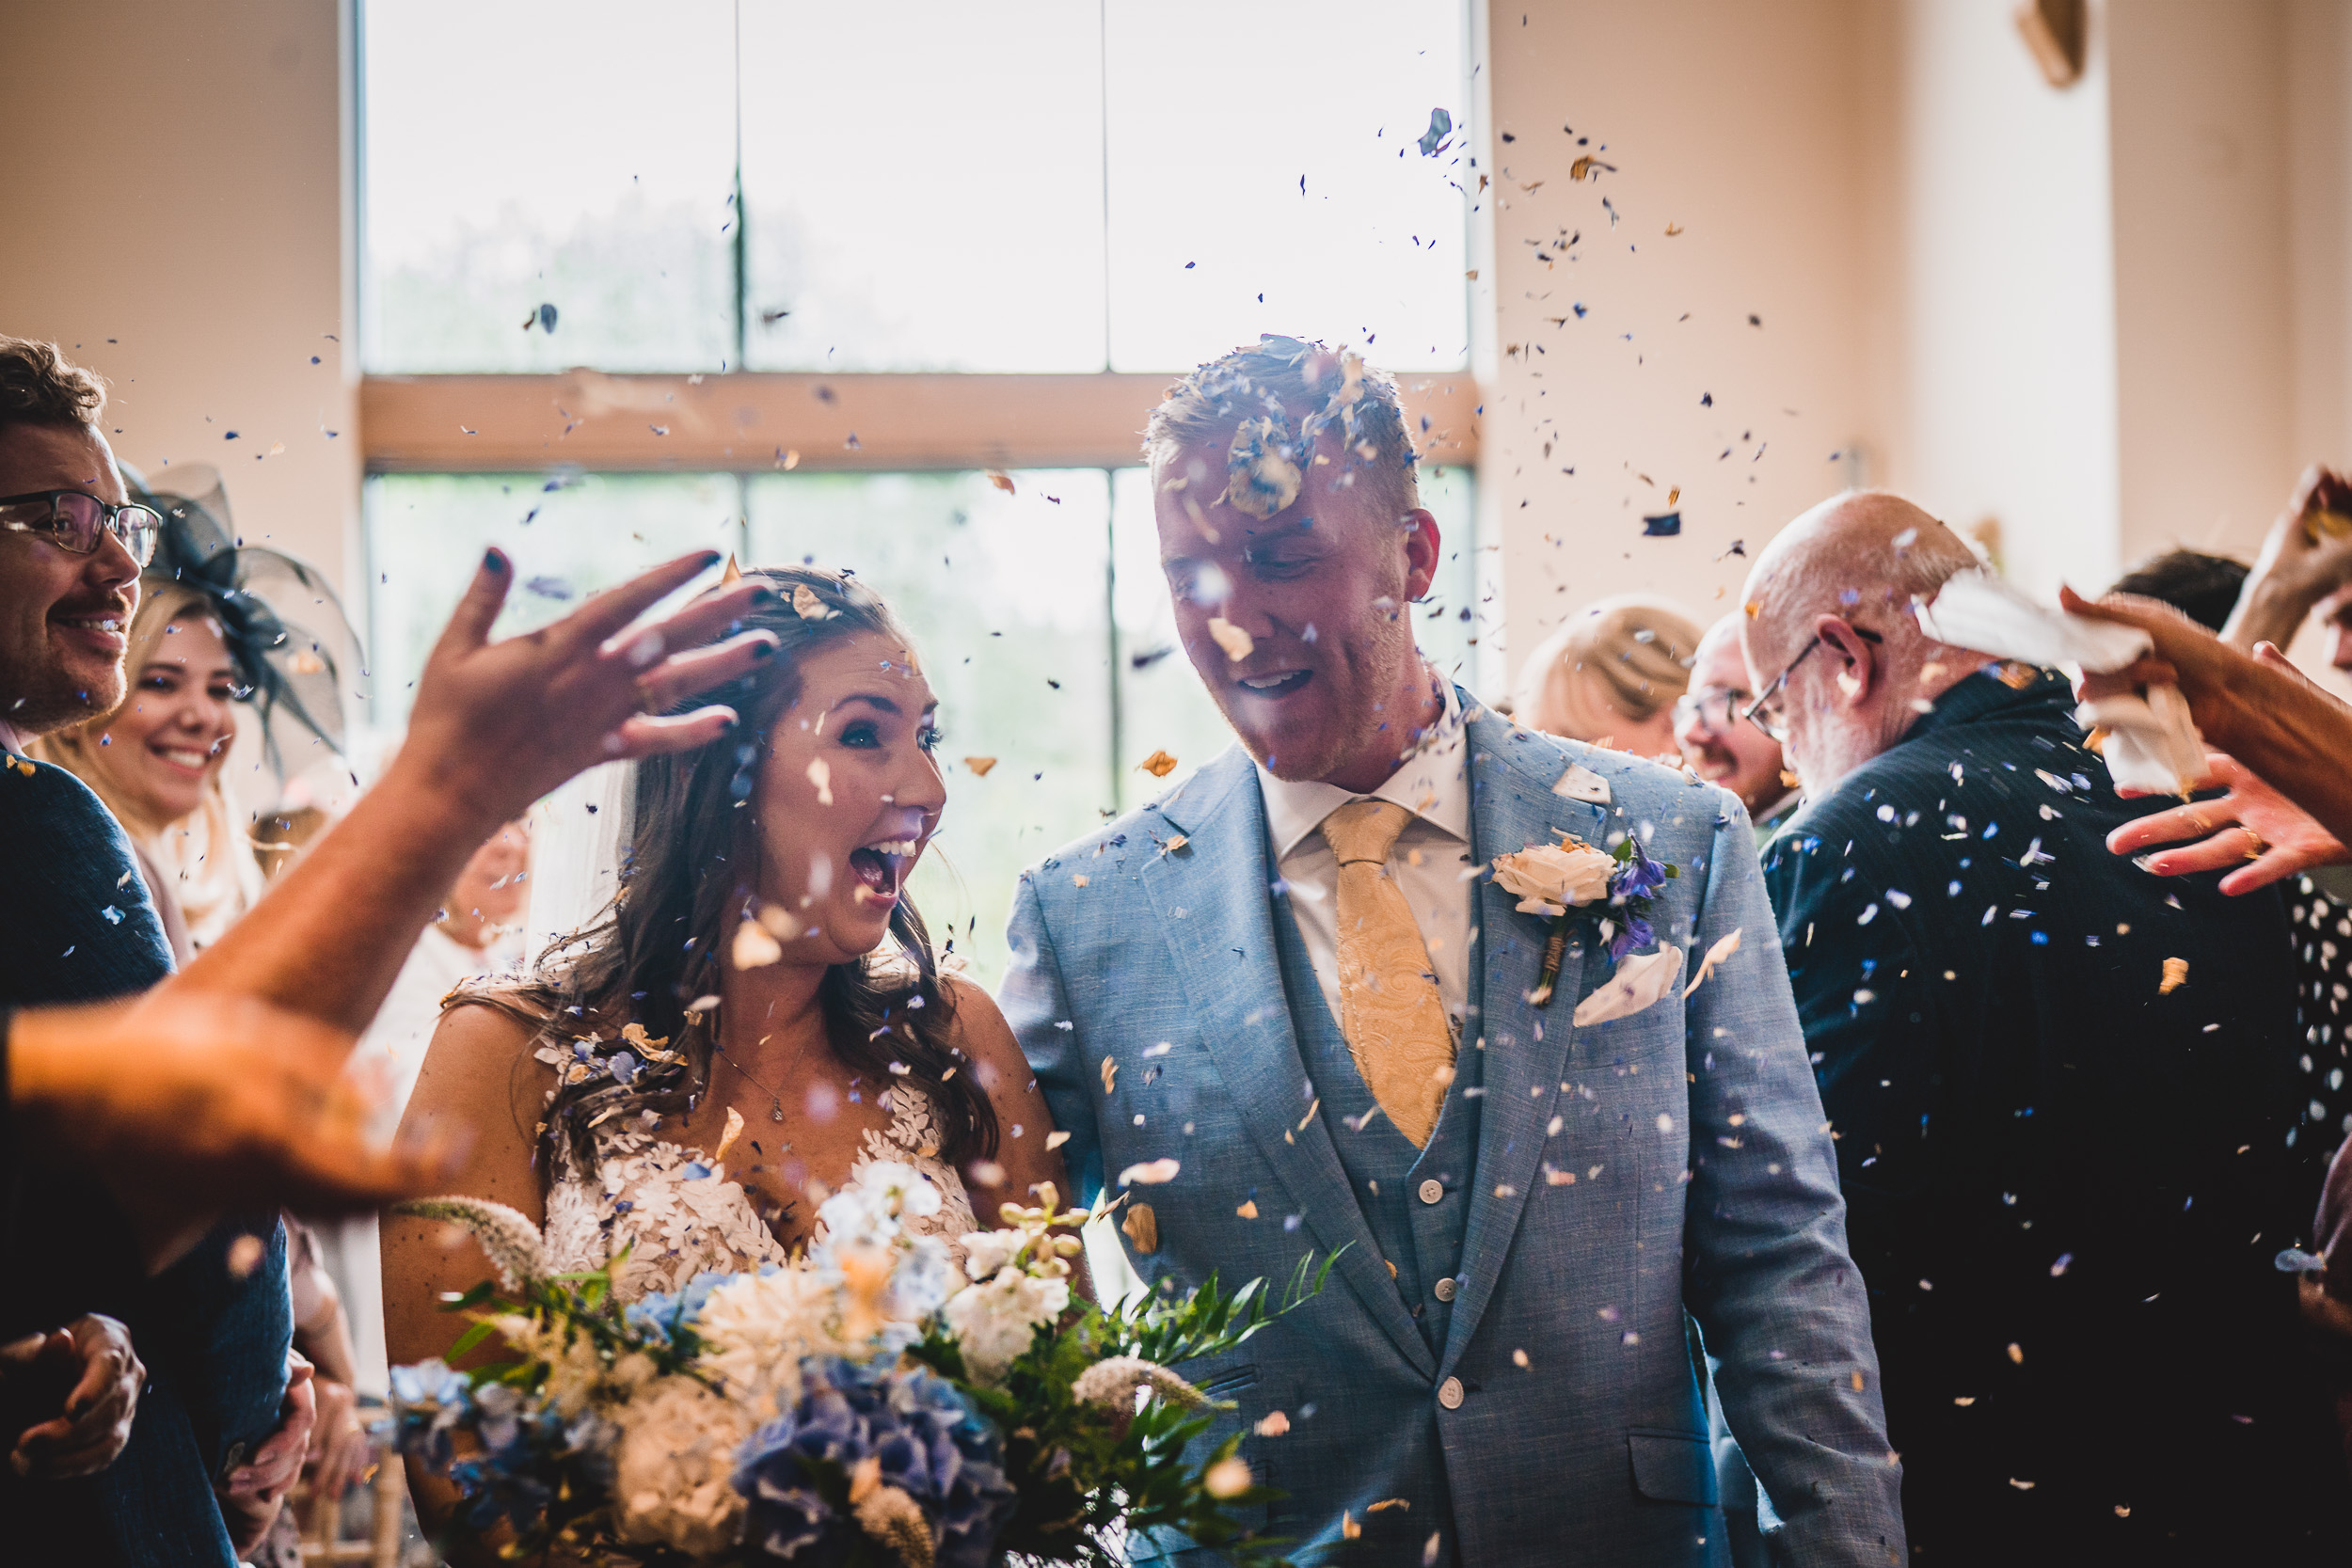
(1432, 1191)
(1445, 1288)
(1450, 1393)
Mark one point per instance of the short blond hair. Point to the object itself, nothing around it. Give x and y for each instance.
(1615, 660)
(1296, 383)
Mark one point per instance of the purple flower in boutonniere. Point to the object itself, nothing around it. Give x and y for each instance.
(1556, 879)
(1635, 880)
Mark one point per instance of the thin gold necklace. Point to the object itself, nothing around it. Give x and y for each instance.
(776, 1101)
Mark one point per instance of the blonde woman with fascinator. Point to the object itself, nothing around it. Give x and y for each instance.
(1610, 674)
(756, 1014)
(159, 760)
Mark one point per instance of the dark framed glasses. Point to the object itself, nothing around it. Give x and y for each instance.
(75, 520)
(1765, 713)
(1711, 707)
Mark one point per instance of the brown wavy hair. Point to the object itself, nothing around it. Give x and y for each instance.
(687, 870)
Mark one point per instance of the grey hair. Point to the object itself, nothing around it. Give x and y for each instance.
(1825, 570)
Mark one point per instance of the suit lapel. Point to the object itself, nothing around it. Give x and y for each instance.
(1214, 907)
(1526, 1047)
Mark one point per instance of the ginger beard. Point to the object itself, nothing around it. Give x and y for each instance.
(1322, 587)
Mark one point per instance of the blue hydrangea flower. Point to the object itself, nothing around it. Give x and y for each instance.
(929, 1442)
(429, 1400)
(665, 1312)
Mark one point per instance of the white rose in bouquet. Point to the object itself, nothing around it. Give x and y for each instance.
(987, 1251)
(1549, 879)
(674, 1472)
(995, 1320)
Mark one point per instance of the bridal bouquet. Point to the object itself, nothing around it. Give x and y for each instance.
(861, 1404)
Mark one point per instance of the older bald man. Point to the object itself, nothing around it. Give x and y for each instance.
(2067, 1170)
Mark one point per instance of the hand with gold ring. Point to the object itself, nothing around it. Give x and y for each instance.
(2251, 823)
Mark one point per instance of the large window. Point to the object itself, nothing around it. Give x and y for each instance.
(789, 277)
(1039, 186)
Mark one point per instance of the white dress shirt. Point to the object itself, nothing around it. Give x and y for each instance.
(1430, 856)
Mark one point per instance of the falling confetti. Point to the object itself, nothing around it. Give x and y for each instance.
(1440, 127)
(979, 765)
(1237, 643)
(754, 947)
(1665, 525)
(1150, 1173)
(1159, 765)
(2176, 977)
(820, 774)
(1110, 1073)
(1001, 480)
(244, 1256)
(1142, 1228)
(1590, 167)
(1715, 955)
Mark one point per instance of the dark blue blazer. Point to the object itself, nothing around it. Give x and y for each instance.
(77, 924)
(2065, 1184)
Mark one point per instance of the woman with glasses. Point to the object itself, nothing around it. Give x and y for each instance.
(1610, 675)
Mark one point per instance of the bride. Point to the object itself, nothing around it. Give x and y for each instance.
(755, 1016)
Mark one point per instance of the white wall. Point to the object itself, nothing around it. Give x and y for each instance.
(175, 177)
(1741, 125)
(2205, 301)
(2000, 273)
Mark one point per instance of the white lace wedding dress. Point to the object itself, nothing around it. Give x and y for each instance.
(676, 1211)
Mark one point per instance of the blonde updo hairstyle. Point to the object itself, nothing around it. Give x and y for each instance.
(1616, 665)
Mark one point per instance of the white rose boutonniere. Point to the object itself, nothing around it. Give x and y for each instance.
(1551, 878)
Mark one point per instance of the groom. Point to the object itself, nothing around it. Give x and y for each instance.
(1285, 1008)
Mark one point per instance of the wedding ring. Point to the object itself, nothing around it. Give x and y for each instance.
(2255, 846)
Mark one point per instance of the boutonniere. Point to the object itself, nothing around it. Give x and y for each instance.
(1557, 878)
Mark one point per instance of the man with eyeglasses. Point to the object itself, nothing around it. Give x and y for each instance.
(2062, 1089)
(1721, 744)
(70, 552)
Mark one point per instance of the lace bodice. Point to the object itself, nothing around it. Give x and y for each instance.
(677, 1213)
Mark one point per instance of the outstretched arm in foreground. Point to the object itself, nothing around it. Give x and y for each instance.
(496, 725)
(2257, 708)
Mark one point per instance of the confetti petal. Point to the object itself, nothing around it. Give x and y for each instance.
(1237, 643)
(979, 765)
(1150, 1173)
(1159, 764)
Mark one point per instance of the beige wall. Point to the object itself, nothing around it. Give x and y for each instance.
(2203, 270)
(179, 196)
(1992, 212)
(1738, 125)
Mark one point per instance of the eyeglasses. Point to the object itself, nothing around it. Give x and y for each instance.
(1765, 714)
(1710, 707)
(75, 521)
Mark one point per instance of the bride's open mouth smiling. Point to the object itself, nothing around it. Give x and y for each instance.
(880, 868)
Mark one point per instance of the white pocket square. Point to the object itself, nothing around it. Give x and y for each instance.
(1641, 979)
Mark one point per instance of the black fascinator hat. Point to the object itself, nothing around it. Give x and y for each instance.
(265, 602)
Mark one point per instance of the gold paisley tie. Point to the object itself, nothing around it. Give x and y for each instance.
(1390, 1010)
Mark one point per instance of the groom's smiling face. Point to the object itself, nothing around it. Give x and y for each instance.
(1323, 589)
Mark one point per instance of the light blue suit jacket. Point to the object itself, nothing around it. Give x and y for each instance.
(1673, 1161)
